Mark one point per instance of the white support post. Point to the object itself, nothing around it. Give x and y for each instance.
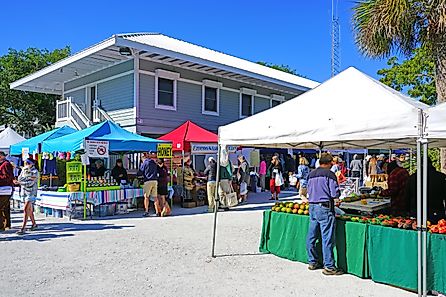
(419, 206)
(217, 200)
(424, 223)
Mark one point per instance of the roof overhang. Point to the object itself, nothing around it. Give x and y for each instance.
(51, 79)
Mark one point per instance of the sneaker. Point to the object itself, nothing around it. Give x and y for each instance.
(332, 271)
(146, 214)
(34, 228)
(20, 232)
(314, 266)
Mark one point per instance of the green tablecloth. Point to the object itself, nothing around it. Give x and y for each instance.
(284, 235)
(393, 258)
(436, 257)
(387, 255)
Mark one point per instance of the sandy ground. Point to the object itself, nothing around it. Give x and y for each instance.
(134, 256)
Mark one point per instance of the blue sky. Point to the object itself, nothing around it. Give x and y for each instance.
(296, 33)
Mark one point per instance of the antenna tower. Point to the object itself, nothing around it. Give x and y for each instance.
(335, 39)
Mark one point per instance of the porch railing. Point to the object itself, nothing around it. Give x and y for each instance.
(67, 110)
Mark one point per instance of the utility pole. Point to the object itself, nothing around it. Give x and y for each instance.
(335, 39)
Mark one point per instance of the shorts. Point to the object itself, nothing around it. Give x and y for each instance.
(162, 190)
(150, 188)
(272, 186)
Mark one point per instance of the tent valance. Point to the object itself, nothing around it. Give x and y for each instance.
(350, 110)
(33, 144)
(189, 132)
(120, 140)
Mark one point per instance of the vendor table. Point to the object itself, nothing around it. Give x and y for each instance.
(62, 200)
(384, 254)
(285, 235)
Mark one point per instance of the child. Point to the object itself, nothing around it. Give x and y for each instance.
(28, 180)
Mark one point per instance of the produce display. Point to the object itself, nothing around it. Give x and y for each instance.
(356, 197)
(396, 222)
(292, 208)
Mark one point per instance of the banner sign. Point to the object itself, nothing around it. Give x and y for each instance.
(164, 151)
(97, 149)
(208, 148)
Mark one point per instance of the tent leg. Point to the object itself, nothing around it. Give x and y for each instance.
(424, 223)
(419, 243)
(217, 201)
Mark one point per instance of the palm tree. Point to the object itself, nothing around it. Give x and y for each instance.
(386, 26)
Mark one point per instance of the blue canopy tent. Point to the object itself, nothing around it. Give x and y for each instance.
(34, 144)
(120, 140)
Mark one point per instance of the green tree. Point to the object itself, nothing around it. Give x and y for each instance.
(384, 27)
(27, 112)
(415, 75)
(387, 26)
(281, 67)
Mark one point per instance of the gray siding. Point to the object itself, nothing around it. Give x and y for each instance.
(116, 94)
(198, 76)
(101, 74)
(261, 104)
(78, 97)
(158, 121)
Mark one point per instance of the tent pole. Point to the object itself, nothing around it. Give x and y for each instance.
(217, 201)
(420, 287)
(424, 225)
(85, 191)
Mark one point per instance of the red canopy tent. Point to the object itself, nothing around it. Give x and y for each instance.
(189, 132)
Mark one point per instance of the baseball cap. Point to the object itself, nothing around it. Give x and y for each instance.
(2, 153)
(326, 158)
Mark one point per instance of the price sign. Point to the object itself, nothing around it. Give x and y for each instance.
(164, 150)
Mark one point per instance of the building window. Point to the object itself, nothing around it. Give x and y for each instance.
(166, 89)
(274, 103)
(165, 92)
(210, 100)
(246, 108)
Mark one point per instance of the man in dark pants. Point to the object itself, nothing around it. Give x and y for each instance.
(322, 190)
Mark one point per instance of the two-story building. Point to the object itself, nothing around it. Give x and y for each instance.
(151, 83)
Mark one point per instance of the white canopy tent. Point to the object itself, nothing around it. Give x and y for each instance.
(350, 110)
(9, 137)
(436, 125)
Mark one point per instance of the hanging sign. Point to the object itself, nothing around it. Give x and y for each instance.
(97, 149)
(208, 148)
(25, 153)
(164, 150)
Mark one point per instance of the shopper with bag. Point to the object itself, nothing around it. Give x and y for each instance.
(28, 181)
(243, 176)
(276, 177)
(226, 193)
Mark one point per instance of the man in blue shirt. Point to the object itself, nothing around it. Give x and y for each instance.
(149, 172)
(323, 188)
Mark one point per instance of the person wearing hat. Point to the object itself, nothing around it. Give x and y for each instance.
(6, 187)
(211, 172)
(28, 181)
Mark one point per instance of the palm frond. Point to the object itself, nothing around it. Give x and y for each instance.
(384, 26)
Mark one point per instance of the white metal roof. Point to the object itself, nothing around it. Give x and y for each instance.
(162, 49)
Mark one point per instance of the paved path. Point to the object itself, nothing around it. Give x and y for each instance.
(134, 256)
